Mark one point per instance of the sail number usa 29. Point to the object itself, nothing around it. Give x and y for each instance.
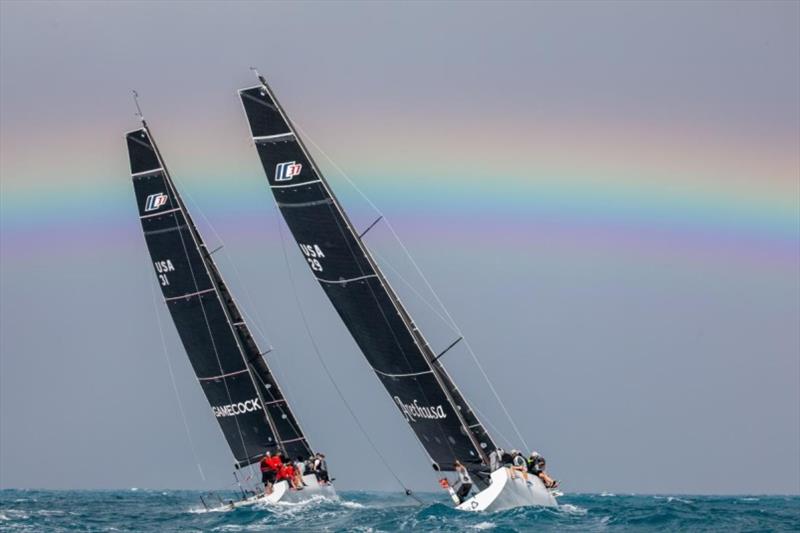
(313, 254)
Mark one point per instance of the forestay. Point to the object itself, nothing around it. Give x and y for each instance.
(380, 325)
(244, 397)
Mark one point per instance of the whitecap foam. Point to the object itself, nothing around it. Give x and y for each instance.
(484, 525)
(352, 505)
(671, 499)
(203, 510)
(229, 527)
(572, 509)
(50, 512)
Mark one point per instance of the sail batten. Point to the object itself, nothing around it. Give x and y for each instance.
(392, 344)
(243, 395)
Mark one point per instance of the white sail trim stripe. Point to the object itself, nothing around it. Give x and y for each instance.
(273, 402)
(189, 295)
(346, 280)
(276, 136)
(146, 172)
(223, 375)
(292, 440)
(294, 184)
(408, 375)
(161, 213)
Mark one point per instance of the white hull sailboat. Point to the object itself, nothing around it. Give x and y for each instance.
(394, 347)
(244, 396)
(509, 489)
(283, 493)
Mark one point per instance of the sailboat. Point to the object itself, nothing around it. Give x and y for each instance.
(381, 326)
(244, 396)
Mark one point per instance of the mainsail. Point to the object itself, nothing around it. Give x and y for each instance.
(393, 345)
(244, 397)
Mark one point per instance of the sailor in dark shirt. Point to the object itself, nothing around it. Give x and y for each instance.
(464, 481)
(536, 466)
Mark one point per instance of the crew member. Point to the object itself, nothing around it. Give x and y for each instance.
(536, 466)
(287, 472)
(464, 481)
(321, 469)
(267, 472)
(518, 464)
(496, 459)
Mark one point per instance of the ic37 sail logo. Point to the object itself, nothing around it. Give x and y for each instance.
(154, 201)
(288, 170)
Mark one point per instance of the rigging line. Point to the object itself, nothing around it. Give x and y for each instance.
(386, 263)
(174, 384)
(254, 323)
(167, 179)
(170, 185)
(343, 233)
(208, 323)
(328, 372)
(273, 368)
(427, 283)
(507, 441)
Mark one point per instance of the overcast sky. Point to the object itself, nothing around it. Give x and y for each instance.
(606, 197)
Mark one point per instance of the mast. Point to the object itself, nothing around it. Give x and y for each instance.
(216, 280)
(266, 115)
(260, 379)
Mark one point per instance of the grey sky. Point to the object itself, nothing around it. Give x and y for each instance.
(639, 353)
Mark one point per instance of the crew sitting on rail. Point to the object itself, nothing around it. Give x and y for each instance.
(536, 466)
(321, 469)
(288, 473)
(299, 470)
(268, 471)
(518, 464)
(464, 481)
(496, 459)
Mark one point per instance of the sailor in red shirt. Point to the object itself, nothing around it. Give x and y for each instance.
(268, 472)
(275, 462)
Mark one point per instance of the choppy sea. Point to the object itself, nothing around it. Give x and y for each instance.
(150, 510)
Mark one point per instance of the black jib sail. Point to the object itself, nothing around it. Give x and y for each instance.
(244, 397)
(394, 347)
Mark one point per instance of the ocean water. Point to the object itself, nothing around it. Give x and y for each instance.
(149, 510)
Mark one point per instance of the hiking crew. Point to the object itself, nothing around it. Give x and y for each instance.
(536, 466)
(321, 468)
(518, 464)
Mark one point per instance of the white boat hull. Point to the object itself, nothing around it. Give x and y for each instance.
(281, 492)
(507, 493)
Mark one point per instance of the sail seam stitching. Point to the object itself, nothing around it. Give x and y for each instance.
(168, 211)
(294, 184)
(343, 281)
(146, 172)
(411, 374)
(188, 295)
(276, 136)
(223, 375)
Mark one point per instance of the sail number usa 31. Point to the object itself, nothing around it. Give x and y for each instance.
(313, 254)
(162, 267)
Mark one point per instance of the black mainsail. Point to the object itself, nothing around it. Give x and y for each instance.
(383, 329)
(244, 396)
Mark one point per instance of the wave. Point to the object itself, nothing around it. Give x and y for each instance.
(382, 512)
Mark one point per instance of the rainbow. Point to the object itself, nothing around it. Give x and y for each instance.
(701, 193)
